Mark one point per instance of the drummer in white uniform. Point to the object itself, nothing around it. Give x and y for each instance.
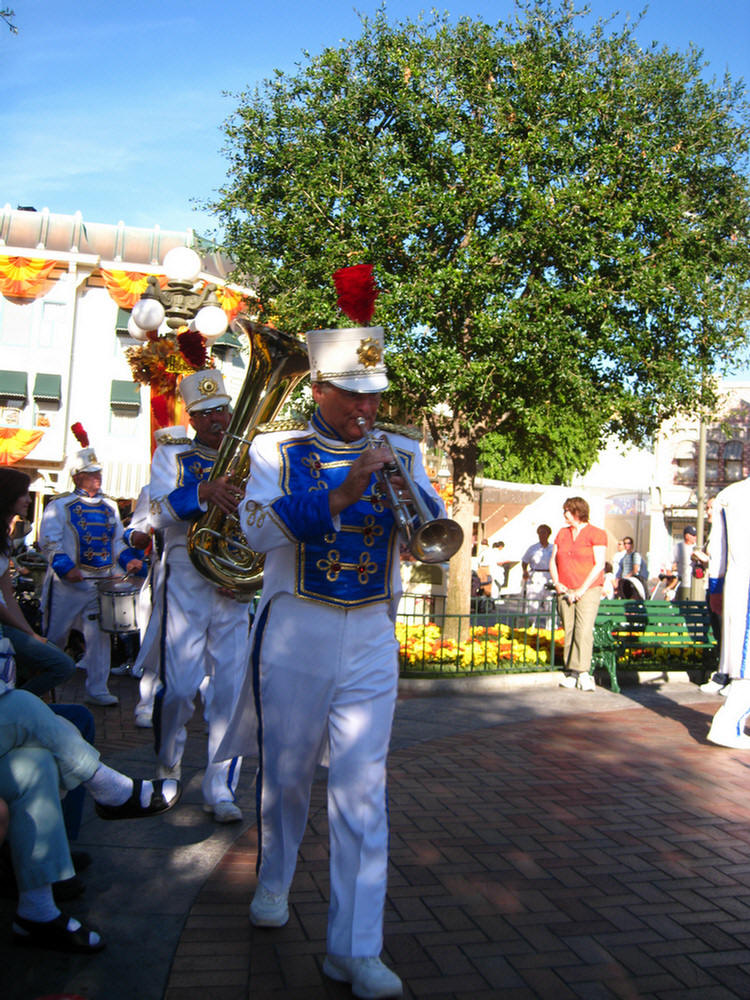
(81, 535)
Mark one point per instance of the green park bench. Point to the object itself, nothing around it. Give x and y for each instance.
(652, 635)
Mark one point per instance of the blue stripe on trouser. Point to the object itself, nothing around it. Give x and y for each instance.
(161, 687)
(255, 666)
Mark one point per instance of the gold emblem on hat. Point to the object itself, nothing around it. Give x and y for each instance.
(207, 386)
(369, 353)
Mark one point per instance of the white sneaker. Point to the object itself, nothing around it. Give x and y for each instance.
(143, 720)
(369, 977)
(269, 909)
(713, 687)
(224, 811)
(569, 681)
(101, 699)
(120, 671)
(586, 682)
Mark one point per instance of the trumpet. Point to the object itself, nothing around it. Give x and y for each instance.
(429, 539)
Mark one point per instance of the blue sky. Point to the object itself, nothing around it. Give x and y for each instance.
(115, 110)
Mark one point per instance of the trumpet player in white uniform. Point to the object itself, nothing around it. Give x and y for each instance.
(324, 657)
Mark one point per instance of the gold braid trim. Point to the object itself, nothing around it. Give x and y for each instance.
(168, 439)
(281, 425)
(404, 429)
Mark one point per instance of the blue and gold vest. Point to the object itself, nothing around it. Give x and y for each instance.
(352, 566)
(94, 527)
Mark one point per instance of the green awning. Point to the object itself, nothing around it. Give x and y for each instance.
(13, 385)
(48, 387)
(227, 339)
(125, 394)
(121, 323)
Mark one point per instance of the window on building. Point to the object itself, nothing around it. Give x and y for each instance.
(733, 461)
(713, 463)
(52, 330)
(685, 462)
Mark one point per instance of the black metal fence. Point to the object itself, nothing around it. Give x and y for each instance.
(496, 637)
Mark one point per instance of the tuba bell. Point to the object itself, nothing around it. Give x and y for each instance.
(215, 542)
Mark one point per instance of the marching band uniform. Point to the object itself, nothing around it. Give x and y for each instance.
(205, 632)
(84, 532)
(324, 655)
(729, 575)
(146, 666)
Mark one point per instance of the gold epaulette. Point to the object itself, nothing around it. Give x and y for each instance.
(282, 425)
(405, 430)
(168, 439)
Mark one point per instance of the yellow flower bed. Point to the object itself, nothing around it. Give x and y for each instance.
(496, 648)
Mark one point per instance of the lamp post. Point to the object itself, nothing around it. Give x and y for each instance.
(158, 316)
(179, 304)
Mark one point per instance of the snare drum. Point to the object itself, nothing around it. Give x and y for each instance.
(118, 603)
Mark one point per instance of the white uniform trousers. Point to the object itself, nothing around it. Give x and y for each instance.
(327, 676)
(67, 602)
(146, 664)
(205, 635)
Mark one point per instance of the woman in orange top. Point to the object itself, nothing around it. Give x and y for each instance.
(577, 571)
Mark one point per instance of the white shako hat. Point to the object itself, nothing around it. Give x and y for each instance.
(84, 460)
(203, 390)
(352, 358)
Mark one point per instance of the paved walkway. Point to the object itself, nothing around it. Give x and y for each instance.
(545, 844)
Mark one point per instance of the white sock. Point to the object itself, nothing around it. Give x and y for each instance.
(111, 788)
(37, 904)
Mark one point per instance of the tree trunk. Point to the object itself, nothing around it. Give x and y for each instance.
(464, 458)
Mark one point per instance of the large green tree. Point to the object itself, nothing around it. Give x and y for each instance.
(557, 218)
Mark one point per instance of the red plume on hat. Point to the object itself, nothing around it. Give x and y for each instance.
(357, 292)
(80, 435)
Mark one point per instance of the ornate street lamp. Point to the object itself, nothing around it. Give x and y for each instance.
(178, 304)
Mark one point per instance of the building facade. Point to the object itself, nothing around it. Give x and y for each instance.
(66, 290)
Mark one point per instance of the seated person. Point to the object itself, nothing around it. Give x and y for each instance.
(41, 665)
(40, 754)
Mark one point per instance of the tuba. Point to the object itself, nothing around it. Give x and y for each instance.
(215, 541)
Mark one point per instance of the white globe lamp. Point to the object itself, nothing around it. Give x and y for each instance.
(148, 313)
(211, 321)
(182, 264)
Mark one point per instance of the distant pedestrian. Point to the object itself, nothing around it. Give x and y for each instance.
(577, 569)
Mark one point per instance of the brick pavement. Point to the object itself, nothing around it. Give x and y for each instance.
(592, 846)
(593, 855)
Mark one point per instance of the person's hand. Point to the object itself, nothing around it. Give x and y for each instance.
(222, 492)
(140, 540)
(358, 478)
(133, 565)
(74, 575)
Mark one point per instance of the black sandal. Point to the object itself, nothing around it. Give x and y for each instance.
(132, 808)
(54, 935)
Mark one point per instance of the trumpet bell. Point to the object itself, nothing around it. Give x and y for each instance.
(436, 540)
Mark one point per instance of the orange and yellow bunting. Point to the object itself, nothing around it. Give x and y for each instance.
(24, 277)
(231, 302)
(16, 444)
(126, 287)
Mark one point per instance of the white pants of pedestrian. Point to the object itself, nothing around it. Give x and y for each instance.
(327, 676)
(65, 603)
(206, 635)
